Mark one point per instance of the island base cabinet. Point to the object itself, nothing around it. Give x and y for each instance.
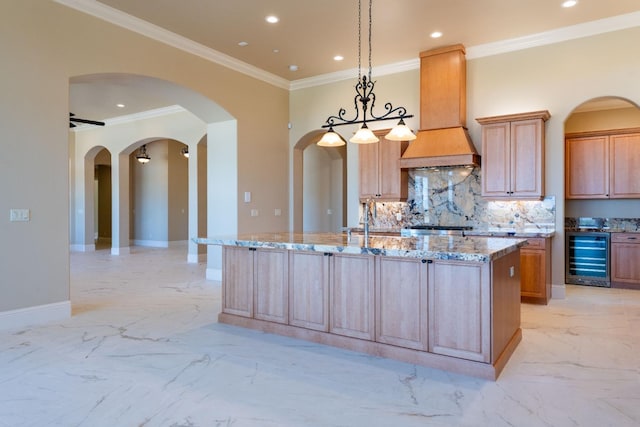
(309, 290)
(351, 286)
(237, 280)
(271, 290)
(254, 283)
(460, 310)
(401, 302)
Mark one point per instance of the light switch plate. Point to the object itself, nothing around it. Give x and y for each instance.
(19, 215)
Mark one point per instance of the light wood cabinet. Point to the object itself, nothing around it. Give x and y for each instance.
(460, 310)
(309, 290)
(513, 148)
(401, 302)
(351, 296)
(625, 260)
(603, 164)
(380, 174)
(237, 280)
(254, 283)
(535, 267)
(271, 285)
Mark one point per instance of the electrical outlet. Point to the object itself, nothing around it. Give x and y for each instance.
(254, 212)
(512, 271)
(398, 216)
(277, 212)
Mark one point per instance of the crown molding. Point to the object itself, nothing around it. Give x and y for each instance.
(149, 114)
(116, 17)
(124, 20)
(587, 29)
(592, 28)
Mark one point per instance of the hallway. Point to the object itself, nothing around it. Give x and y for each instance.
(143, 349)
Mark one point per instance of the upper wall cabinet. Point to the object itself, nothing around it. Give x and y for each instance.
(381, 177)
(513, 155)
(603, 165)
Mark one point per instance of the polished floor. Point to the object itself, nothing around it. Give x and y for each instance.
(143, 349)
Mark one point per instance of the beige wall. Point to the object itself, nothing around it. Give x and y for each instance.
(557, 78)
(43, 45)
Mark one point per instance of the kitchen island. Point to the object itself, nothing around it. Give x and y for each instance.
(451, 303)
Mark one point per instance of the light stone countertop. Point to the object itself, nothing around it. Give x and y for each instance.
(477, 249)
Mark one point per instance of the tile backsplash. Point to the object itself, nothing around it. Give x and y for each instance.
(452, 196)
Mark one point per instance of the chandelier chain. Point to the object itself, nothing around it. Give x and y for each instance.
(359, 38)
(370, 8)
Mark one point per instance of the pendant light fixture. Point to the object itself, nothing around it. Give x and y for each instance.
(185, 152)
(142, 155)
(364, 104)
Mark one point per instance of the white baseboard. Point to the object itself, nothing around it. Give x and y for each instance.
(82, 248)
(126, 250)
(151, 243)
(214, 274)
(196, 258)
(23, 317)
(558, 291)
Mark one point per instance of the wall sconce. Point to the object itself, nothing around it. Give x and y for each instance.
(185, 152)
(142, 155)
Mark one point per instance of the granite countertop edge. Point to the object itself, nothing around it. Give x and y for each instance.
(468, 248)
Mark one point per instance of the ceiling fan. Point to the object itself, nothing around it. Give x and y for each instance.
(73, 120)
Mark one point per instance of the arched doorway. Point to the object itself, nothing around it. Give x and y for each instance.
(155, 109)
(320, 185)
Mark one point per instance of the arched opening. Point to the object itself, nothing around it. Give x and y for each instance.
(159, 194)
(102, 199)
(602, 189)
(320, 185)
(154, 110)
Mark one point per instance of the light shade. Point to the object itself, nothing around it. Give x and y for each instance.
(400, 132)
(331, 139)
(364, 136)
(185, 152)
(142, 155)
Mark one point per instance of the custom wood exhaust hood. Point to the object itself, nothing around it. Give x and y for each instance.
(443, 139)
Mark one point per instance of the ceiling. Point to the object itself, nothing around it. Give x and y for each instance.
(311, 32)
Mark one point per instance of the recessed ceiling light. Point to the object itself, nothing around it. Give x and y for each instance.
(293, 68)
(272, 19)
(276, 50)
(120, 105)
(338, 58)
(436, 34)
(243, 44)
(569, 3)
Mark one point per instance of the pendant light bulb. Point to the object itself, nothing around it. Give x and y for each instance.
(400, 132)
(364, 136)
(331, 139)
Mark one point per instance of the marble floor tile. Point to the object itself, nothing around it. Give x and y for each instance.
(143, 348)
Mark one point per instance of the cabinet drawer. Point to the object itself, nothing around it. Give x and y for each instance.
(625, 237)
(535, 243)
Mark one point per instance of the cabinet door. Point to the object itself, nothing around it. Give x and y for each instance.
(393, 181)
(237, 280)
(401, 302)
(587, 167)
(496, 159)
(527, 157)
(352, 296)
(368, 158)
(309, 290)
(532, 279)
(625, 173)
(271, 290)
(625, 263)
(460, 310)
